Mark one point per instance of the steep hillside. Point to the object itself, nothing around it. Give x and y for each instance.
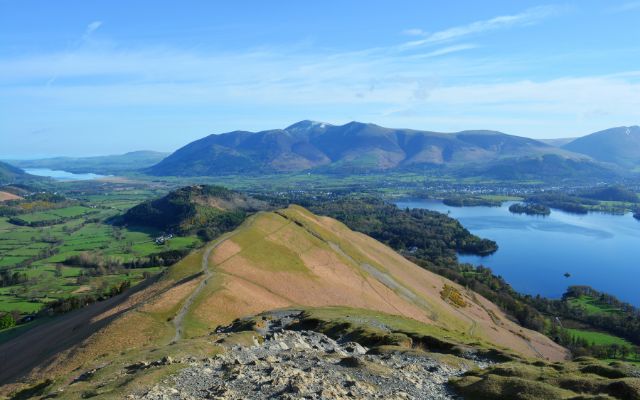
(283, 259)
(10, 174)
(293, 258)
(620, 146)
(193, 208)
(105, 165)
(347, 148)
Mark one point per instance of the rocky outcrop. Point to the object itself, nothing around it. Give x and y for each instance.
(310, 365)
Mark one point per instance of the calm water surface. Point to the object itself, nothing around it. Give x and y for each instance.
(62, 175)
(599, 250)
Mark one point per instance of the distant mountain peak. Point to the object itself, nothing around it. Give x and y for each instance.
(619, 145)
(354, 146)
(306, 125)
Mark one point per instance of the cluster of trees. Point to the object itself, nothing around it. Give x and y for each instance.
(165, 258)
(95, 264)
(428, 235)
(562, 201)
(7, 321)
(8, 278)
(207, 210)
(470, 201)
(611, 193)
(529, 209)
(71, 303)
(31, 203)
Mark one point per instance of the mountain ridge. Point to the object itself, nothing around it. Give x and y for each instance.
(619, 146)
(355, 146)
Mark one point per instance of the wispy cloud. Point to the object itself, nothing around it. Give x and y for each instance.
(424, 87)
(447, 50)
(92, 27)
(86, 38)
(527, 17)
(414, 32)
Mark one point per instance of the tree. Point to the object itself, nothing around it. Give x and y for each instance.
(7, 321)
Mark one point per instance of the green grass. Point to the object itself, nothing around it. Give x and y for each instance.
(55, 214)
(599, 338)
(12, 303)
(592, 306)
(78, 233)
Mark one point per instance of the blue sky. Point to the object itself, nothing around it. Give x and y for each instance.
(105, 77)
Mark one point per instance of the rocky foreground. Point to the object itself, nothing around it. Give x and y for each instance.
(307, 365)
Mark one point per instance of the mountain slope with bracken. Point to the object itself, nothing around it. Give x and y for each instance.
(286, 259)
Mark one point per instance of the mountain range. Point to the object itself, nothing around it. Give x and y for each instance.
(353, 147)
(360, 147)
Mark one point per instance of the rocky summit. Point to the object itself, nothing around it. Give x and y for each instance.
(309, 365)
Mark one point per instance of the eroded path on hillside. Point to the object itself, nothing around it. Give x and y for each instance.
(178, 320)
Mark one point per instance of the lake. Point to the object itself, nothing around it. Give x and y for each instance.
(62, 175)
(599, 250)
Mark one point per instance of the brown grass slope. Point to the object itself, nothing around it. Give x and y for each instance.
(292, 258)
(281, 259)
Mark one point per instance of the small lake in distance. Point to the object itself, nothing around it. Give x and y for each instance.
(62, 175)
(599, 250)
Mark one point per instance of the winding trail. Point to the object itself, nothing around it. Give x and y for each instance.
(178, 320)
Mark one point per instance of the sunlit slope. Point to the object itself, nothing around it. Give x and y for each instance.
(292, 258)
(282, 259)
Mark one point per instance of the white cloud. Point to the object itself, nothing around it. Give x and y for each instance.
(446, 50)
(528, 17)
(413, 88)
(92, 27)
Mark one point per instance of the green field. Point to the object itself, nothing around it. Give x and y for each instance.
(599, 338)
(54, 215)
(591, 305)
(40, 252)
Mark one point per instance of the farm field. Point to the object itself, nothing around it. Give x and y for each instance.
(598, 338)
(591, 305)
(59, 214)
(39, 255)
(605, 339)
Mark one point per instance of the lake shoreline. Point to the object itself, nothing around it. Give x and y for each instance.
(61, 175)
(535, 252)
